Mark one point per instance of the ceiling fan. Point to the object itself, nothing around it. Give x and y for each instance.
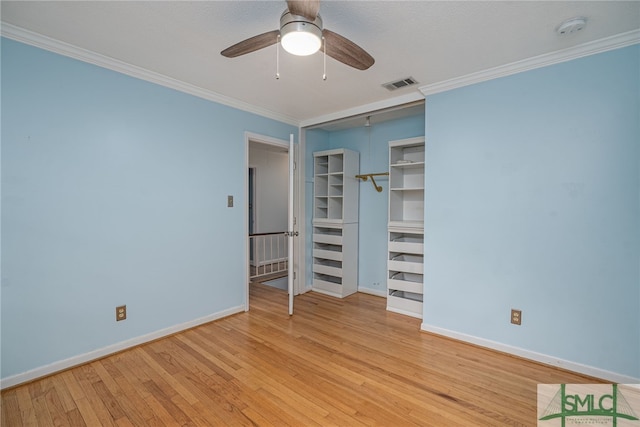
(301, 33)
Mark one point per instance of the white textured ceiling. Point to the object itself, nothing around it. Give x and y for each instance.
(432, 41)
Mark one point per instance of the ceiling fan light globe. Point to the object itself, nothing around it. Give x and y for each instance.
(300, 43)
(298, 35)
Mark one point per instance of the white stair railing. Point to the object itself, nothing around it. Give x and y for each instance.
(268, 254)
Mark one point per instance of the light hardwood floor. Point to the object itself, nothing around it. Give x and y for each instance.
(335, 362)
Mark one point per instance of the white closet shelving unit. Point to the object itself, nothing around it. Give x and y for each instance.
(405, 262)
(335, 222)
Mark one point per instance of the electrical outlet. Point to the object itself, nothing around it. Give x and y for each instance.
(230, 201)
(516, 316)
(121, 312)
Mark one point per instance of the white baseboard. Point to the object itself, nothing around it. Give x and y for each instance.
(378, 293)
(404, 312)
(110, 349)
(532, 355)
(323, 292)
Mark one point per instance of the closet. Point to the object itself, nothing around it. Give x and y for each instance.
(365, 184)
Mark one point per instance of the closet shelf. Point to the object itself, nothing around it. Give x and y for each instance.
(335, 222)
(405, 262)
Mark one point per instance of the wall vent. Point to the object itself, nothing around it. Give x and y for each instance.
(408, 81)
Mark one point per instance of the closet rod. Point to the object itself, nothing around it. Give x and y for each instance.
(366, 176)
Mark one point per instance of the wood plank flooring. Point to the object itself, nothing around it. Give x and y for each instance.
(335, 362)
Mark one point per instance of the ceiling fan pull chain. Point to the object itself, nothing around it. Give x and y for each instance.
(278, 58)
(324, 59)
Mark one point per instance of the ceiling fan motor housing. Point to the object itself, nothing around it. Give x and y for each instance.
(292, 26)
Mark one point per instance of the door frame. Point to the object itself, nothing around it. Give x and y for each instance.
(281, 143)
(251, 207)
(252, 197)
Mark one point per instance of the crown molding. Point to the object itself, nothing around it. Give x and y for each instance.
(364, 109)
(591, 48)
(38, 40)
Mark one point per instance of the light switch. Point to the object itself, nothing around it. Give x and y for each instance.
(229, 201)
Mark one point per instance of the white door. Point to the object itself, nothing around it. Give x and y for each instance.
(290, 227)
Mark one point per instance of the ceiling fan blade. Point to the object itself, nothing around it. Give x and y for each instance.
(251, 44)
(344, 50)
(306, 8)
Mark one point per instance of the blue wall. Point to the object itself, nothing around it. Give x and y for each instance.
(533, 202)
(372, 144)
(113, 192)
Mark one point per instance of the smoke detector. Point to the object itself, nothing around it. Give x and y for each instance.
(572, 25)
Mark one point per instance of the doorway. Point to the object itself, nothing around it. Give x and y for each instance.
(267, 201)
(268, 222)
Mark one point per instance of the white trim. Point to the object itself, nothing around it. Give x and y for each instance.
(245, 227)
(373, 292)
(404, 312)
(38, 40)
(324, 292)
(532, 355)
(253, 203)
(299, 216)
(81, 359)
(591, 48)
(262, 139)
(362, 109)
(290, 223)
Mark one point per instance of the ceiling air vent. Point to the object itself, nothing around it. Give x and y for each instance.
(408, 81)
